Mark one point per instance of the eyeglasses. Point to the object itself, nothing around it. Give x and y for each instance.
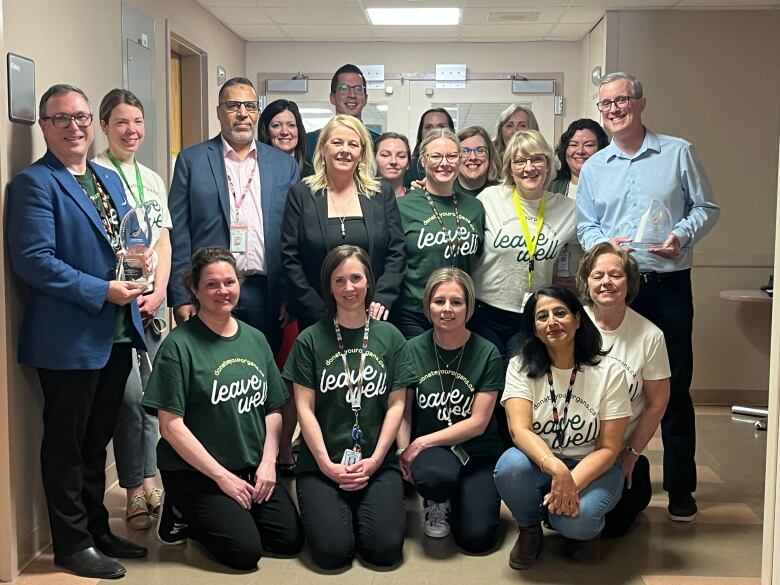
(233, 106)
(62, 121)
(435, 158)
(536, 160)
(345, 88)
(479, 151)
(620, 102)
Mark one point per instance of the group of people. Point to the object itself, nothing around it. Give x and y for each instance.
(473, 318)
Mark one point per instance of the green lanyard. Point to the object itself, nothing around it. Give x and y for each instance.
(530, 242)
(139, 184)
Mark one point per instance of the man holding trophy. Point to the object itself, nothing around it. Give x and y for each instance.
(649, 192)
(80, 324)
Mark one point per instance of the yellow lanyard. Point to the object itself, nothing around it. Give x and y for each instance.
(530, 242)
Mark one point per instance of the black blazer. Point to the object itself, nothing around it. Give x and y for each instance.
(305, 245)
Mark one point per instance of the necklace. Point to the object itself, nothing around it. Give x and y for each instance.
(447, 369)
(342, 218)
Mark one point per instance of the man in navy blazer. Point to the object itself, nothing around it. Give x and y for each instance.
(79, 325)
(230, 191)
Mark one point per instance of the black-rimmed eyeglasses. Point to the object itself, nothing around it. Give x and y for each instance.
(234, 106)
(620, 102)
(62, 121)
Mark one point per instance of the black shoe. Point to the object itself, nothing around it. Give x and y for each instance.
(682, 507)
(582, 550)
(113, 546)
(171, 529)
(90, 562)
(527, 547)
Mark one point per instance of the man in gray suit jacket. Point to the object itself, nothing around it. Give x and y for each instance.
(230, 191)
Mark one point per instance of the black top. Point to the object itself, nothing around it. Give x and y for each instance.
(354, 233)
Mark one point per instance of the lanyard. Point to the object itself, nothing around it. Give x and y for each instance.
(530, 242)
(139, 185)
(239, 202)
(454, 376)
(559, 425)
(452, 242)
(355, 395)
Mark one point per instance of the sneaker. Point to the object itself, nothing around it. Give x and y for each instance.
(682, 507)
(153, 499)
(527, 547)
(171, 529)
(136, 514)
(436, 525)
(582, 550)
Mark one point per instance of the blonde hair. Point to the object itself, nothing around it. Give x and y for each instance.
(498, 141)
(527, 143)
(450, 274)
(366, 168)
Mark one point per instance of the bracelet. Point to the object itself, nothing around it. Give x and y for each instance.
(541, 464)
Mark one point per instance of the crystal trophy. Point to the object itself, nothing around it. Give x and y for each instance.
(135, 237)
(655, 225)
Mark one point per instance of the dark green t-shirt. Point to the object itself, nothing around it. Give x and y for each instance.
(222, 386)
(443, 391)
(459, 189)
(427, 245)
(315, 362)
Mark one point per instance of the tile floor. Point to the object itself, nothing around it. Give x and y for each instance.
(722, 547)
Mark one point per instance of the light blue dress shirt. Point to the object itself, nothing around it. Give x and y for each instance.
(616, 189)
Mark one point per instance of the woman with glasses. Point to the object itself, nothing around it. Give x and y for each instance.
(281, 126)
(392, 160)
(440, 229)
(135, 437)
(526, 227)
(480, 166)
(512, 120)
(432, 119)
(568, 410)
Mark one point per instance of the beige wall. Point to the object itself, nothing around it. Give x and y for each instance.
(81, 45)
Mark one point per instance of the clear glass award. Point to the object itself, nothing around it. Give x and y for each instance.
(654, 227)
(135, 236)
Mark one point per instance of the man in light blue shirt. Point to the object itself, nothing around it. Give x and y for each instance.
(617, 186)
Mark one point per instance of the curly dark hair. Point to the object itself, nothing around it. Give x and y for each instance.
(563, 144)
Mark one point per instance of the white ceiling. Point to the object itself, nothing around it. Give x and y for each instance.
(482, 21)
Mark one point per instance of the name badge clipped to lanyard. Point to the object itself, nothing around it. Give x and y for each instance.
(239, 229)
(355, 454)
(564, 263)
(530, 241)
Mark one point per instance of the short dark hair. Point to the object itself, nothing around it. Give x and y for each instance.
(630, 267)
(275, 108)
(582, 124)
(532, 351)
(230, 83)
(420, 135)
(201, 259)
(335, 257)
(56, 90)
(116, 97)
(348, 68)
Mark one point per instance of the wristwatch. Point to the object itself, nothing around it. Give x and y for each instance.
(630, 449)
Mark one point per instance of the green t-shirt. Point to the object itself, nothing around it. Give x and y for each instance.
(427, 245)
(459, 189)
(450, 391)
(223, 387)
(315, 362)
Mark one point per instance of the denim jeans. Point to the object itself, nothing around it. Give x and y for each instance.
(522, 485)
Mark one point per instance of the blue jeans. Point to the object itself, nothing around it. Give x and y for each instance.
(522, 485)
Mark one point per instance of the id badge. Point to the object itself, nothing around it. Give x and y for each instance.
(564, 264)
(239, 233)
(526, 296)
(351, 457)
(460, 453)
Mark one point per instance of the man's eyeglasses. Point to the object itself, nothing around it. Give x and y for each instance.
(435, 158)
(345, 88)
(536, 160)
(233, 106)
(620, 102)
(62, 121)
(479, 151)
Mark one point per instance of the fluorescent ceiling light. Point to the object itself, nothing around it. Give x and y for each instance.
(414, 16)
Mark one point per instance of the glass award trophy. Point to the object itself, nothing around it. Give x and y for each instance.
(655, 225)
(135, 236)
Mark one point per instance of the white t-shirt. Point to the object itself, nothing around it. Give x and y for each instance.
(638, 347)
(501, 274)
(600, 393)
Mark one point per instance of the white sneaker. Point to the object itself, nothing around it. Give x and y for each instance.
(436, 525)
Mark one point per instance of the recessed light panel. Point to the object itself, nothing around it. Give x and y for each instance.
(414, 16)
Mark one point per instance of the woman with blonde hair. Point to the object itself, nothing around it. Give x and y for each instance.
(341, 203)
(511, 121)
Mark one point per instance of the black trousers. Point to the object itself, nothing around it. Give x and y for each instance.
(474, 501)
(632, 501)
(667, 301)
(338, 524)
(236, 537)
(254, 309)
(79, 415)
(410, 323)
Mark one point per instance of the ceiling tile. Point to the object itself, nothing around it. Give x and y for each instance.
(415, 33)
(629, 4)
(304, 3)
(239, 15)
(402, 4)
(504, 31)
(572, 32)
(258, 32)
(578, 15)
(497, 40)
(481, 15)
(307, 32)
(540, 4)
(318, 16)
(727, 3)
(239, 3)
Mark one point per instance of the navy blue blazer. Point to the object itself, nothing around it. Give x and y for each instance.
(199, 203)
(59, 247)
